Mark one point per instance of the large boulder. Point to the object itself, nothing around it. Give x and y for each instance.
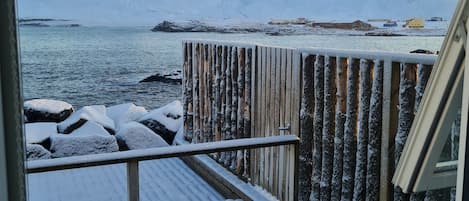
(94, 113)
(172, 78)
(90, 138)
(124, 113)
(36, 152)
(164, 121)
(134, 135)
(45, 110)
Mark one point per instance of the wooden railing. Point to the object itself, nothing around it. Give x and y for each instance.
(133, 157)
(352, 110)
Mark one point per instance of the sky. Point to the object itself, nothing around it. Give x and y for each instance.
(151, 12)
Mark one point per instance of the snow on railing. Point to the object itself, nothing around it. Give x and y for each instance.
(132, 157)
(343, 103)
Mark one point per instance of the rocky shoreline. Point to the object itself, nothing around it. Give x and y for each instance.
(355, 28)
(54, 129)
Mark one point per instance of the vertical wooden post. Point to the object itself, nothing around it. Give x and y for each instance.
(133, 191)
(406, 116)
(359, 192)
(318, 125)
(328, 126)
(341, 111)
(389, 127)
(350, 138)
(374, 135)
(196, 87)
(248, 105)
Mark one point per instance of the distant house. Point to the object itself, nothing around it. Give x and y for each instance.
(414, 23)
(390, 24)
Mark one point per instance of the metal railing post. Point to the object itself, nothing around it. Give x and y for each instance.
(132, 181)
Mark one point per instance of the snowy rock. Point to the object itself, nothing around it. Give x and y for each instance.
(36, 152)
(95, 113)
(124, 113)
(68, 145)
(38, 133)
(198, 26)
(90, 128)
(172, 78)
(134, 135)
(45, 110)
(164, 121)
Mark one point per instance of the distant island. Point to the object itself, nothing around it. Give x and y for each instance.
(47, 22)
(302, 26)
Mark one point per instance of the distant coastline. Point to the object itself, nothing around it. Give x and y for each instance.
(47, 22)
(355, 28)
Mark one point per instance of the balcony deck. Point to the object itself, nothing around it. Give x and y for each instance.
(164, 179)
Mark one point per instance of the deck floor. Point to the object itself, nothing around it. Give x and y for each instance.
(164, 179)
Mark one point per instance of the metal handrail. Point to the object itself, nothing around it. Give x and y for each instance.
(132, 157)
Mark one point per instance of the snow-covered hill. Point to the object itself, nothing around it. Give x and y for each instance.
(150, 12)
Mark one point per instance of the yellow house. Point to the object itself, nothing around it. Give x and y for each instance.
(414, 23)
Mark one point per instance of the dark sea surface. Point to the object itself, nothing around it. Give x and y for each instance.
(103, 65)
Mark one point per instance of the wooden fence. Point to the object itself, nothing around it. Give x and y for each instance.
(351, 109)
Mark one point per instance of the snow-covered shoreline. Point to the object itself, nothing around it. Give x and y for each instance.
(96, 128)
(293, 29)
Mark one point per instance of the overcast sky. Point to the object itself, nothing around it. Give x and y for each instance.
(150, 12)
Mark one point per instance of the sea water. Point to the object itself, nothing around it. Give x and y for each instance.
(103, 65)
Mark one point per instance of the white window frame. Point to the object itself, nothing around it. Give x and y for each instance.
(419, 168)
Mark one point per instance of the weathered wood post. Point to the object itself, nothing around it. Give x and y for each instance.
(374, 135)
(318, 124)
(350, 139)
(340, 116)
(306, 146)
(328, 127)
(406, 116)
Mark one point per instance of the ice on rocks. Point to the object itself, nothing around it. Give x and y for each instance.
(124, 113)
(36, 133)
(165, 121)
(68, 145)
(36, 152)
(134, 135)
(94, 113)
(46, 110)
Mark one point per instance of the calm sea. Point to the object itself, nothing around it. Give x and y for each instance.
(102, 65)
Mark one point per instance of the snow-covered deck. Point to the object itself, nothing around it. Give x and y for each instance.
(163, 179)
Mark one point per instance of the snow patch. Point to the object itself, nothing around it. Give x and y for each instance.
(124, 113)
(95, 113)
(39, 132)
(46, 105)
(90, 129)
(137, 136)
(169, 115)
(36, 152)
(66, 145)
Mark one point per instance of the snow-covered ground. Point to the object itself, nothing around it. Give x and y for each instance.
(160, 180)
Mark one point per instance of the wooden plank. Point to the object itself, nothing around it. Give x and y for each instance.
(228, 103)
(224, 66)
(289, 112)
(276, 120)
(248, 107)
(389, 127)
(256, 124)
(234, 103)
(281, 156)
(241, 104)
(196, 104)
(202, 97)
(270, 110)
